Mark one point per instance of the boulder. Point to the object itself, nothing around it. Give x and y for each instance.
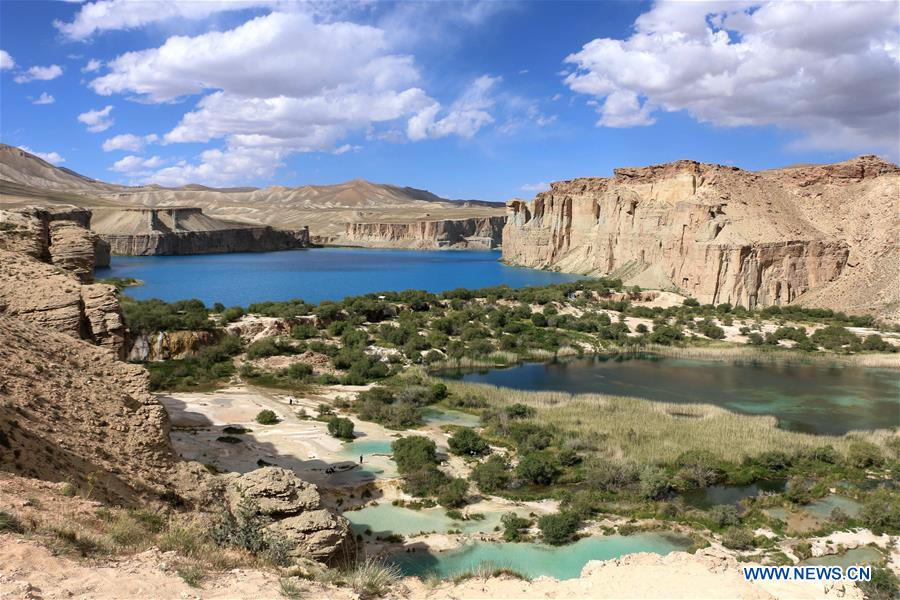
(317, 534)
(295, 507)
(277, 492)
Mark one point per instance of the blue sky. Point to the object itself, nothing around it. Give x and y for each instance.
(484, 100)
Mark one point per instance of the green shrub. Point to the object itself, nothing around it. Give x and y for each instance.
(148, 316)
(863, 455)
(737, 538)
(880, 512)
(453, 494)
(558, 528)
(883, 585)
(266, 417)
(513, 525)
(492, 475)
(340, 427)
(724, 515)
(539, 468)
(413, 453)
(466, 442)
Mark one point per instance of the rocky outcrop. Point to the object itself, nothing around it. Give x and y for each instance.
(46, 259)
(167, 345)
(60, 236)
(477, 233)
(176, 231)
(713, 232)
(296, 513)
(70, 411)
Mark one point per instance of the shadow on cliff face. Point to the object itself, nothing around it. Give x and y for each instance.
(227, 449)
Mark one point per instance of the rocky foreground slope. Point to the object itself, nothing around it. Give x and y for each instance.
(819, 235)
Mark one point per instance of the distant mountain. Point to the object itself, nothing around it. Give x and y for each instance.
(326, 209)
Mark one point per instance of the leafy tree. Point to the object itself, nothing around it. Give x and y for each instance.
(453, 493)
(266, 417)
(492, 475)
(539, 468)
(340, 427)
(558, 528)
(414, 452)
(466, 442)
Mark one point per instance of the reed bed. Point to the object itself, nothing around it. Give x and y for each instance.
(645, 431)
(750, 353)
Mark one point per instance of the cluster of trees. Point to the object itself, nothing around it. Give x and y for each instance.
(417, 462)
(398, 408)
(211, 365)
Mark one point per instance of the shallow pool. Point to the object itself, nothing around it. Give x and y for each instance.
(865, 555)
(385, 519)
(535, 560)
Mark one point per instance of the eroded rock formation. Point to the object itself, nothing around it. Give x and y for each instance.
(721, 234)
(46, 258)
(166, 345)
(168, 231)
(60, 236)
(296, 510)
(475, 233)
(70, 411)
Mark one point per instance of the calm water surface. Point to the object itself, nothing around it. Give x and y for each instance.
(535, 560)
(317, 274)
(810, 398)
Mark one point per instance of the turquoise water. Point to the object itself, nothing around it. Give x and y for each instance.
(385, 519)
(364, 448)
(731, 494)
(810, 398)
(822, 508)
(535, 560)
(446, 416)
(857, 556)
(316, 274)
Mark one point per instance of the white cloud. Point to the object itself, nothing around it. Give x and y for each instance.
(51, 157)
(91, 66)
(830, 70)
(39, 74)
(536, 187)
(129, 142)
(464, 118)
(222, 167)
(112, 15)
(136, 165)
(44, 98)
(6, 61)
(346, 148)
(97, 120)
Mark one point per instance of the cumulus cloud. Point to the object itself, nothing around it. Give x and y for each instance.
(234, 164)
(129, 142)
(112, 15)
(136, 165)
(464, 117)
(97, 120)
(6, 61)
(39, 74)
(44, 98)
(830, 70)
(536, 187)
(91, 66)
(51, 157)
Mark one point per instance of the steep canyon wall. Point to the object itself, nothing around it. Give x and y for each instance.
(472, 233)
(718, 233)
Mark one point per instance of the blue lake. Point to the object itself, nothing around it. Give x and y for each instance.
(317, 274)
(812, 398)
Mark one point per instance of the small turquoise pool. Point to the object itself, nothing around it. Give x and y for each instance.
(857, 556)
(385, 519)
(535, 560)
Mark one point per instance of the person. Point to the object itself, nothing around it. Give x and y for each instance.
(360, 459)
(290, 400)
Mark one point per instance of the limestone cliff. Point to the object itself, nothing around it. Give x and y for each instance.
(167, 231)
(719, 233)
(471, 233)
(46, 259)
(59, 235)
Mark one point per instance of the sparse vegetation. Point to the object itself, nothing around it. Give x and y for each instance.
(267, 417)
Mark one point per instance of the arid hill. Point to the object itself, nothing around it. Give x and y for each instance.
(328, 210)
(823, 235)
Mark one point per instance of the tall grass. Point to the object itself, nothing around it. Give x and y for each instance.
(646, 431)
(730, 353)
